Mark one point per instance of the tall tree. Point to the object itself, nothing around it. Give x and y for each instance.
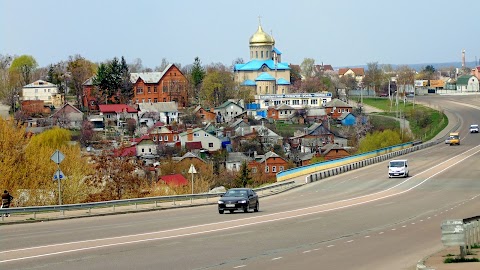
(218, 85)
(374, 76)
(81, 70)
(295, 77)
(307, 67)
(197, 75)
(244, 178)
(25, 66)
(126, 87)
(163, 65)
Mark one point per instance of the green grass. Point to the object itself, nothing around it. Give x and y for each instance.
(460, 260)
(381, 123)
(425, 122)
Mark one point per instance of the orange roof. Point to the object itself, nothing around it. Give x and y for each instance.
(357, 71)
(437, 83)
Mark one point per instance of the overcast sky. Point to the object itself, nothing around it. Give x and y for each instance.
(340, 33)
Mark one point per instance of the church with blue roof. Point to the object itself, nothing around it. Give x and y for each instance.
(265, 73)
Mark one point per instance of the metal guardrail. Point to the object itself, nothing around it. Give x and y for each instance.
(126, 202)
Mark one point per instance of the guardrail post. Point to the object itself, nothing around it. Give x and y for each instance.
(34, 215)
(135, 205)
(113, 208)
(89, 210)
(173, 201)
(156, 205)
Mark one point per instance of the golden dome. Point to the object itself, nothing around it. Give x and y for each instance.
(261, 38)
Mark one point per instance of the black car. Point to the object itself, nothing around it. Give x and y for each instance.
(238, 199)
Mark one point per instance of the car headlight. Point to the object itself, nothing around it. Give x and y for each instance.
(220, 202)
(243, 201)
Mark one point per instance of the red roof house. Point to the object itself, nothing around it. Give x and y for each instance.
(174, 180)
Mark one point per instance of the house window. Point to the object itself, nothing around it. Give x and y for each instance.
(149, 100)
(276, 102)
(280, 168)
(143, 100)
(196, 135)
(160, 138)
(261, 54)
(266, 103)
(109, 116)
(143, 150)
(165, 138)
(210, 145)
(266, 169)
(137, 101)
(205, 135)
(295, 102)
(254, 170)
(234, 166)
(155, 100)
(155, 89)
(164, 100)
(150, 150)
(274, 168)
(174, 137)
(148, 89)
(139, 90)
(305, 102)
(314, 101)
(256, 54)
(154, 138)
(287, 102)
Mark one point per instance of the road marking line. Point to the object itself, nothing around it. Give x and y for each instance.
(381, 233)
(404, 226)
(241, 225)
(349, 241)
(394, 229)
(316, 249)
(367, 236)
(240, 266)
(413, 223)
(330, 246)
(277, 258)
(307, 251)
(421, 220)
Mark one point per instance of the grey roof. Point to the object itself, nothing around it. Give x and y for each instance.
(39, 83)
(170, 106)
(226, 104)
(89, 81)
(284, 107)
(190, 155)
(149, 77)
(337, 103)
(327, 148)
(237, 157)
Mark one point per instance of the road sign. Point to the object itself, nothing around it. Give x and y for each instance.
(192, 169)
(57, 157)
(58, 175)
(453, 233)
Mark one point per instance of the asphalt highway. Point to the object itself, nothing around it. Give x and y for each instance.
(357, 220)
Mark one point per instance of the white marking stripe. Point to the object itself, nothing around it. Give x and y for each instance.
(331, 246)
(277, 258)
(233, 221)
(240, 266)
(307, 251)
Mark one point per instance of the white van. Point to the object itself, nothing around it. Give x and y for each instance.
(398, 168)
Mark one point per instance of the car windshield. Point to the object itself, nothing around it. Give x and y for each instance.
(236, 193)
(397, 164)
(474, 126)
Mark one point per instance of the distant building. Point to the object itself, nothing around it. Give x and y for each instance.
(166, 86)
(265, 73)
(467, 83)
(336, 108)
(42, 90)
(357, 73)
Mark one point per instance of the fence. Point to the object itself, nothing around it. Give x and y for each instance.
(152, 202)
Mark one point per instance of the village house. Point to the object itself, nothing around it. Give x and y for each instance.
(357, 73)
(311, 139)
(173, 180)
(164, 136)
(165, 112)
(467, 83)
(270, 164)
(68, 116)
(235, 160)
(167, 86)
(198, 135)
(281, 112)
(227, 111)
(42, 90)
(204, 115)
(336, 108)
(116, 114)
(347, 119)
(334, 151)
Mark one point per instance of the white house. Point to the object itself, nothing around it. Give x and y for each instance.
(42, 90)
(234, 161)
(227, 111)
(165, 112)
(208, 141)
(467, 83)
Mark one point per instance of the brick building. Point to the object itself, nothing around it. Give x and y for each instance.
(166, 86)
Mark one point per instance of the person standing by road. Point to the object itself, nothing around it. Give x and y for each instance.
(6, 200)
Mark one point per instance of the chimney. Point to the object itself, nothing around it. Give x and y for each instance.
(189, 135)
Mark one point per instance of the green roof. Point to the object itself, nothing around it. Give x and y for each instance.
(463, 80)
